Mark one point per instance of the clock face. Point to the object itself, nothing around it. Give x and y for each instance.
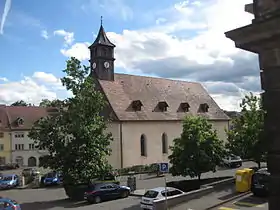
(93, 65)
(106, 64)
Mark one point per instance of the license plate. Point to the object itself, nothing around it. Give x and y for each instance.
(258, 186)
(143, 206)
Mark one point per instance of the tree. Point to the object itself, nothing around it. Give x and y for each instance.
(54, 103)
(197, 150)
(76, 136)
(246, 136)
(20, 103)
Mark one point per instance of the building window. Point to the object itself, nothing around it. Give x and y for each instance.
(19, 146)
(19, 135)
(162, 106)
(31, 146)
(203, 107)
(143, 145)
(2, 160)
(184, 107)
(136, 105)
(1, 135)
(1, 147)
(164, 143)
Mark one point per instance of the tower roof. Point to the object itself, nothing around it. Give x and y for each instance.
(102, 38)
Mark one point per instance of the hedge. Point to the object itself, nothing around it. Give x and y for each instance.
(139, 169)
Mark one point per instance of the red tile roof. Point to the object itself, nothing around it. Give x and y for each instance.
(29, 114)
(149, 90)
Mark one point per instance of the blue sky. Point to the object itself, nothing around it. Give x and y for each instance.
(175, 39)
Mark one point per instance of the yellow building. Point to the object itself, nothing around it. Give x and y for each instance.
(5, 137)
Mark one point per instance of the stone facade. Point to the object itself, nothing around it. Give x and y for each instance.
(263, 37)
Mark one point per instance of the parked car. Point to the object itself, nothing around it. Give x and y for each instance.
(99, 192)
(233, 161)
(157, 193)
(259, 185)
(30, 172)
(9, 181)
(52, 178)
(9, 204)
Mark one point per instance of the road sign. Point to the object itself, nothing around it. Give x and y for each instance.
(163, 167)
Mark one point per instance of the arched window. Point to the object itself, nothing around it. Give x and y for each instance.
(164, 143)
(143, 145)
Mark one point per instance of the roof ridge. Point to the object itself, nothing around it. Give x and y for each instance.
(160, 78)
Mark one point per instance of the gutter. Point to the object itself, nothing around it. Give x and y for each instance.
(121, 144)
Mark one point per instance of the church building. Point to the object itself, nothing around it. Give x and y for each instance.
(147, 112)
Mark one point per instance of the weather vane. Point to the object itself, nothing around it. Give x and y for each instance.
(101, 20)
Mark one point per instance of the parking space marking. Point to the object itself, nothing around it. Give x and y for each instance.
(245, 204)
(226, 208)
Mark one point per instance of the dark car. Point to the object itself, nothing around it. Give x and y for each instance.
(9, 204)
(52, 178)
(260, 181)
(99, 192)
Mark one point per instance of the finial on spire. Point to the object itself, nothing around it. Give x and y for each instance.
(101, 20)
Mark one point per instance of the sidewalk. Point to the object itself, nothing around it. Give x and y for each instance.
(217, 197)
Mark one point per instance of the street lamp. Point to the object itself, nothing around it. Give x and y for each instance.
(263, 37)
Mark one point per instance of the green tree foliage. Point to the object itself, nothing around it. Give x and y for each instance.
(20, 103)
(246, 136)
(54, 103)
(197, 150)
(75, 137)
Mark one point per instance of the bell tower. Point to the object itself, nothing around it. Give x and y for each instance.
(102, 56)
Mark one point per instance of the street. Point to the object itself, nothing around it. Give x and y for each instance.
(55, 199)
(246, 203)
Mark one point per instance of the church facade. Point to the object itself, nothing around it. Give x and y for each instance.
(147, 112)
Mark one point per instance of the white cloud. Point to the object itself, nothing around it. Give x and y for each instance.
(4, 79)
(32, 89)
(44, 34)
(68, 36)
(187, 41)
(7, 7)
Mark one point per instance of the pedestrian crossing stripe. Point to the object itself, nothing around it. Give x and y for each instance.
(226, 208)
(248, 204)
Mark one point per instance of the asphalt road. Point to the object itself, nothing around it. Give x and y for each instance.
(55, 198)
(249, 202)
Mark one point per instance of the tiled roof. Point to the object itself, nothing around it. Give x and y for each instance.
(29, 114)
(150, 91)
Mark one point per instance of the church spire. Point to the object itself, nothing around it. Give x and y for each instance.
(102, 38)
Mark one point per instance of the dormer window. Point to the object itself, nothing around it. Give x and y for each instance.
(184, 107)
(162, 106)
(20, 121)
(136, 105)
(203, 107)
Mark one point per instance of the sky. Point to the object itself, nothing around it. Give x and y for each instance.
(172, 39)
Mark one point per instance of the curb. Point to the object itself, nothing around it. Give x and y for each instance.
(228, 200)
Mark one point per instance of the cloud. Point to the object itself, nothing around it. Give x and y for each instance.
(4, 79)
(68, 36)
(32, 89)
(187, 41)
(45, 34)
(7, 7)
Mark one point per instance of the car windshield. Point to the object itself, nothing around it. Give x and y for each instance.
(50, 175)
(234, 157)
(151, 194)
(7, 178)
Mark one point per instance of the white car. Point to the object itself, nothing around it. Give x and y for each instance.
(156, 194)
(233, 161)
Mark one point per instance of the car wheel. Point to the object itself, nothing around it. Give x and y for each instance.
(97, 199)
(124, 194)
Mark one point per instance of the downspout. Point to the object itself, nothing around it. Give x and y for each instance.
(121, 144)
